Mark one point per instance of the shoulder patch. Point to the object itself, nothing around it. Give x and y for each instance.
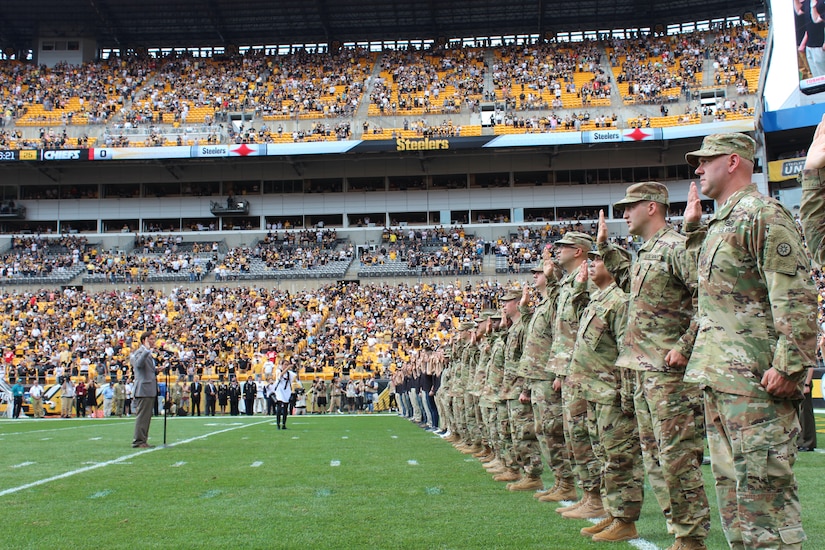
(780, 253)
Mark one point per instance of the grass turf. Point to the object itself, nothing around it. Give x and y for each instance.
(327, 482)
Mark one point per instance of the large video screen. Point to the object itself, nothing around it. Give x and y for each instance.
(809, 26)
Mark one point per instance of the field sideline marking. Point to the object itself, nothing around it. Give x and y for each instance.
(90, 425)
(120, 460)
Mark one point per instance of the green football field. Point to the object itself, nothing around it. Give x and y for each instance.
(370, 481)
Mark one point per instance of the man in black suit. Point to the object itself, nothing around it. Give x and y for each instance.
(250, 390)
(195, 390)
(211, 392)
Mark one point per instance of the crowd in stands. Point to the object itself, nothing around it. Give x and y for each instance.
(735, 50)
(279, 257)
(66, 94)
(437, 80)
(555, 121)
(135, 268)
(652, 66)
(45, 245)
(528, 75)
(196, 95)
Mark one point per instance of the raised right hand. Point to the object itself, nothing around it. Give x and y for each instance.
(693, 210)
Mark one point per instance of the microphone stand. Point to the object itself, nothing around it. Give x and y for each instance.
(165, 404)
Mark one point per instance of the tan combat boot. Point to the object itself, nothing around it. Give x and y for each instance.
(539, 494)
(689, 543)
(575, 505)
(565, 491)
(485, 451)
(589, 510)
(486, 459)
(617, 531)
(493, 464)
(527, 483)
(508, 475)
(598, 528)
(471, 449)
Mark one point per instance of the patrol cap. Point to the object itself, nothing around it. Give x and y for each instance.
(511, 294)
(484, 315)
(724, 144)
(538, 268)
(576, 238)
(496, 316)
(597, 254)
(645, 191)
(467, 325)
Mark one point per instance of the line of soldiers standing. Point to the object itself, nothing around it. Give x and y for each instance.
(616, 368)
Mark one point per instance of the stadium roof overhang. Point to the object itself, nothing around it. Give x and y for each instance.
(186, 23)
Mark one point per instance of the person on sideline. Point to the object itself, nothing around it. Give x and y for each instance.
(144, 370)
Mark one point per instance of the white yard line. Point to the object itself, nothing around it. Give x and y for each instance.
(84, 425)
(120, 460)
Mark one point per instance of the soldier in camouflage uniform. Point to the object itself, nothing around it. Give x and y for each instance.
(756, 339)
(614, 434)
(657, 344)
(574, 296)
(469, 362)
(537, 386)
(522, 421)
(442, 398)
(511, 319)
(812, 209)
(490, 400)
(485, 344)
(458, 384)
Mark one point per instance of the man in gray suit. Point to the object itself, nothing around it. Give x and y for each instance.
(144, 371)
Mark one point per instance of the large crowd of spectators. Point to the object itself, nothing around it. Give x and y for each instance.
(197, 95)
(526, 75)
(440, 80)
(91, 92)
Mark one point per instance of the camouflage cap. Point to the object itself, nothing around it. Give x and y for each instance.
(467, 325)
(484, 315)
(643, 192)
(724, 144)
(538, 268)
(513, 293)
(619, 250)
(496, 316)
(576, 238)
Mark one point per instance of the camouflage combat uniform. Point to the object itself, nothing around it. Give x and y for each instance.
(538, 382)
(490, 399)
(812, 213)
(756, 310)
(526, 455)
(573, 298)
(614, 435)
(472, 417)
(669, 411)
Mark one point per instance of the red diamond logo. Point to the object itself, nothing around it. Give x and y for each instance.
(242, 150)
(638, 135)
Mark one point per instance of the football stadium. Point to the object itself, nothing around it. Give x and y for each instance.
(413, 275)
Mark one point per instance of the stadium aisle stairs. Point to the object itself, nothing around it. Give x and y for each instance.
(489, 60)
(708, 74)
(615, 92)
(363, 108)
